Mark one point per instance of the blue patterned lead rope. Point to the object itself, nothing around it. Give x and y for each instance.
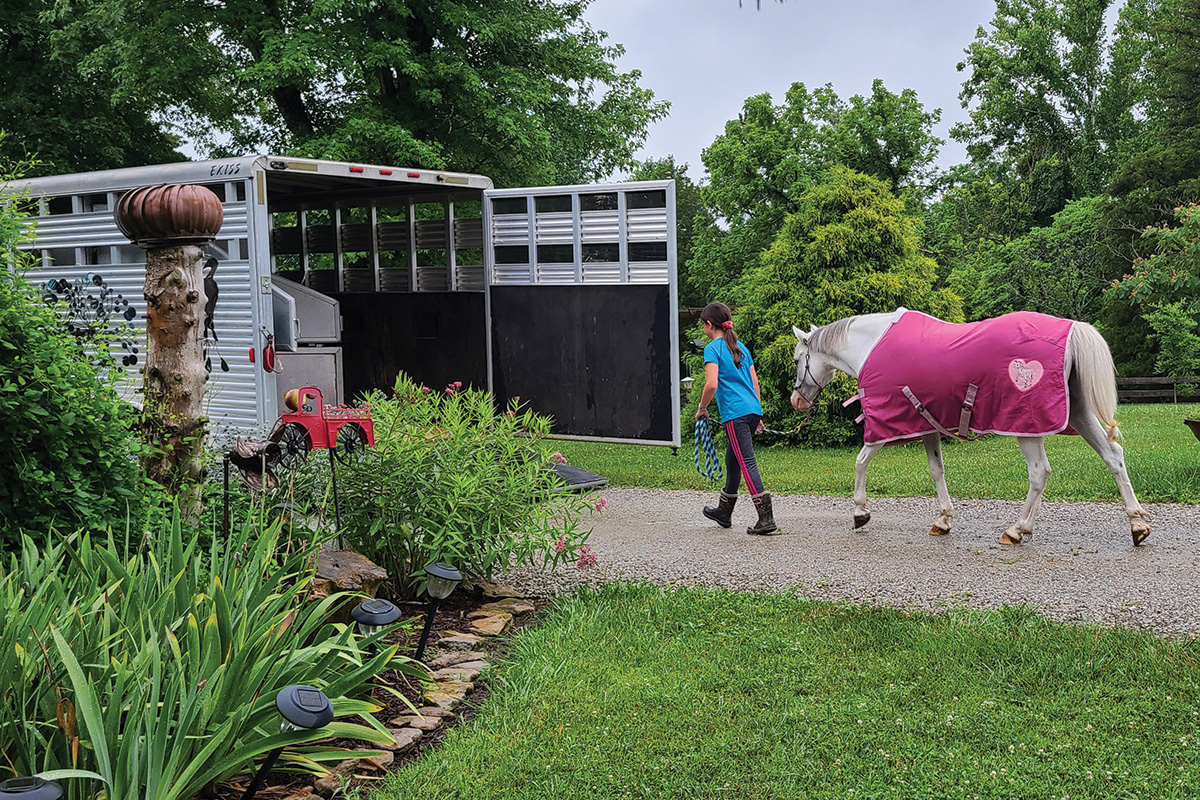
(703, 439)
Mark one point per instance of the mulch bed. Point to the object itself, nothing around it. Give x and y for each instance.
(452, 615)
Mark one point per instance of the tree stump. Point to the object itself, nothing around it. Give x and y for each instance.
(170, 223)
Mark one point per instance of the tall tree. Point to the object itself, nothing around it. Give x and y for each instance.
(1055, 93)
(770, 155)
(55, 107)
(1150, 187)
(524, 91)
(891, 137)
(1165, 173)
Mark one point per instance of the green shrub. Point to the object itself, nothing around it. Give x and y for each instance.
(152, 663)
(452, 479)
(68, 459)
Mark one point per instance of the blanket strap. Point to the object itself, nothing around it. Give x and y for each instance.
(964, 419)
(857, 398)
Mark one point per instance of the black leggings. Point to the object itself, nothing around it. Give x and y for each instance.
(739, 456)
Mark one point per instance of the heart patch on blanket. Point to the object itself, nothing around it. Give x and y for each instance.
(1025, 374)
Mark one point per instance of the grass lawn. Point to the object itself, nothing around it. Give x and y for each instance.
(657, 693)
(1162, 455)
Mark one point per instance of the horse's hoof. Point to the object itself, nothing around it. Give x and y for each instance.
(1010, 536)
(860, 520)
(937, 530)
(1140, 532)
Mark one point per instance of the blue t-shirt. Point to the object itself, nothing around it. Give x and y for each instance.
(735, 386)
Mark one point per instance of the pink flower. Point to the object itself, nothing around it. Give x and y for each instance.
(601, 503)
(450, 389)
(559, 458)
(561, 544)
(426, 389)
(587, 559)
(457, 384)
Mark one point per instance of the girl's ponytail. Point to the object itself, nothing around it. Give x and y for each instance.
(719, 316)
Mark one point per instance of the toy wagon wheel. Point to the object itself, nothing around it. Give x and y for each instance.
(351, 444)
(294, 444)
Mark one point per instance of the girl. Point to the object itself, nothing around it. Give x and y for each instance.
(729, 376)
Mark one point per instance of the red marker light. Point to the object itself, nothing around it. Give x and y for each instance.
(385, 172)
(414, 174)
(356, 169)
(251, 355)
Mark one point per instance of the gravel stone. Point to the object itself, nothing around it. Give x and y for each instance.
(1079, 566)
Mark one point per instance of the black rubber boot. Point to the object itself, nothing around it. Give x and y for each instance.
(723, 513)
(766, 518)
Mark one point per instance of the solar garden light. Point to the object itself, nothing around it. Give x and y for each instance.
(303, 708)
(29, 788)
(374, 615)
(439, 584)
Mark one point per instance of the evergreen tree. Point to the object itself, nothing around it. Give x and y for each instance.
(850, 248)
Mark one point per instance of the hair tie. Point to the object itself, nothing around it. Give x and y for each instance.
(727, 325)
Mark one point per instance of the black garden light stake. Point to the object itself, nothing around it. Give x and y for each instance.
(372, 616)
(440, 583)
(31, 788)
(303, 708)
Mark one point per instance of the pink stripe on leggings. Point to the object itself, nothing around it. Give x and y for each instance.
(737, 453)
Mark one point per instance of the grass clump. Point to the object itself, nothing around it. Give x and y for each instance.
(634, 691)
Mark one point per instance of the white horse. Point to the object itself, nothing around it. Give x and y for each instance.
(1092, 403)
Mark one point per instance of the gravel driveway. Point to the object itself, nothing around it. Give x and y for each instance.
(1079, 565)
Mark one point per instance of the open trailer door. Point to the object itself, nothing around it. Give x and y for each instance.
(582, 307)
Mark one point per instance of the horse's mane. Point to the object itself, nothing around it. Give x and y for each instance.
(827, 338)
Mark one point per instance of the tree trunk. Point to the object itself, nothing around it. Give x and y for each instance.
(174, 373)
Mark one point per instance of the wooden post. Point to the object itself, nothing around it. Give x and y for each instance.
(171, 222)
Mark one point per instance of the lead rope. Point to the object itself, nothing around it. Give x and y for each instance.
(703, 440)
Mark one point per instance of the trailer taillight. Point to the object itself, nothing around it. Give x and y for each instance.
(356, 169)
(414, 174)
(385, 172)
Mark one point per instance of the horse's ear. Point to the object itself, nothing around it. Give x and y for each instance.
(800, 335)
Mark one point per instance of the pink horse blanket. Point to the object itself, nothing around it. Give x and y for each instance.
(1015, 362)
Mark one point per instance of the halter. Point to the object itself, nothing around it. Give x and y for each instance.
(800, 381)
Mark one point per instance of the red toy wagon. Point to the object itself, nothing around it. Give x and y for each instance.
(311, 426)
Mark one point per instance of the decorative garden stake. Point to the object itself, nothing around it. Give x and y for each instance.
(171, 223)
(31, 788)
(303, 708)
(440, 583)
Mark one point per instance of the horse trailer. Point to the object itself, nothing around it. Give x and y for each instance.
(340, 276)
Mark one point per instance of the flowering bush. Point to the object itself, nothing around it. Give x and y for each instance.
(451, 478)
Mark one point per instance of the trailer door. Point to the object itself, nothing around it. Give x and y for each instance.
(582, 307)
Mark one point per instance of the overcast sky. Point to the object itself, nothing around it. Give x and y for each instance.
(707, 56)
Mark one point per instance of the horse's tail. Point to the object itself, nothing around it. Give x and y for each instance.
(1093, 363)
